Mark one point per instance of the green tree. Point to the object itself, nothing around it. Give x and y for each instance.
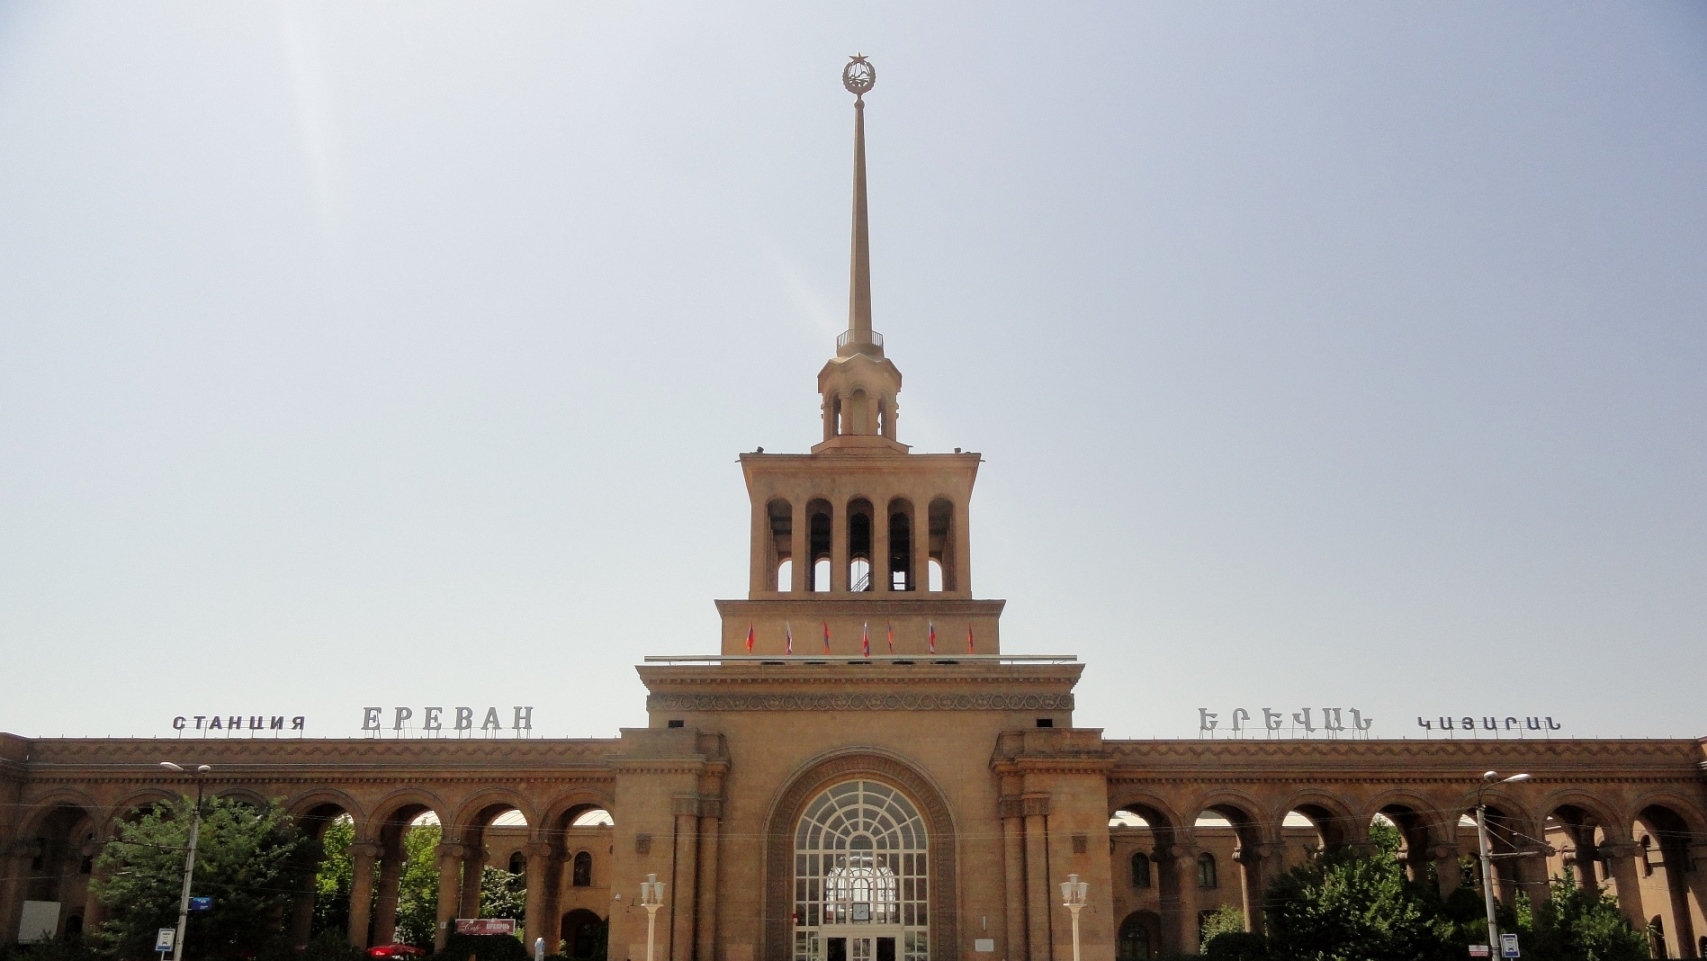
(249, 860)
(418, 886)
(1575, 925)
(502, 894)
(1226, 919)
(1349, 905)
(333, 878)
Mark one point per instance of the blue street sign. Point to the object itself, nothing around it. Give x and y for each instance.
(201, 905)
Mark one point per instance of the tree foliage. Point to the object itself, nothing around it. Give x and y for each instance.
(1352, 906)
(1358, 905)
(1576, 925)
(418, 886)
(503, 894)
(249, 860)
(333, 878)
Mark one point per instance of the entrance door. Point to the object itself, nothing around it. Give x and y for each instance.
(867, 945)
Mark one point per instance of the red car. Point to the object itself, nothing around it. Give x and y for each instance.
(395, 951)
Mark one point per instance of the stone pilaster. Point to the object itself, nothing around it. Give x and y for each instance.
(1012, 813)
(710, 824)
(1036, 812)
(686, 871)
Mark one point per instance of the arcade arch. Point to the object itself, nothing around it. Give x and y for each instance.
(877, 797)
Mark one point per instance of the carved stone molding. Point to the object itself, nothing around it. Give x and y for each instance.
(1010, 807)
(1034, 805)
(779, 847)
(858, 701)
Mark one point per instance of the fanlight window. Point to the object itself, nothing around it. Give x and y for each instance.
(860, 861)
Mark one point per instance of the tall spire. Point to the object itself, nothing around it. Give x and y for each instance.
(859, 76)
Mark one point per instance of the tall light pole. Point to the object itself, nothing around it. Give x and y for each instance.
(1073, 893)
(1491, 777)
(189, 857)
(651, 898)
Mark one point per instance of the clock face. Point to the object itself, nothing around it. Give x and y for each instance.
(859, 76)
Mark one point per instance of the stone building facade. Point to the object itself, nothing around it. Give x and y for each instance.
(861, 773)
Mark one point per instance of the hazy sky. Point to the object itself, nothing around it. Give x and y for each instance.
(399, 353)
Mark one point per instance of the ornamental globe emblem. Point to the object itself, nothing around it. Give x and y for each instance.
(859, 75)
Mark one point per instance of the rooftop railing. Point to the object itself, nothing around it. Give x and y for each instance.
(854, 337)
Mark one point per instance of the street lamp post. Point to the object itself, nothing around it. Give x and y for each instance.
(1073, 893)
(1491, 777)
(189, 858)
(651, 898)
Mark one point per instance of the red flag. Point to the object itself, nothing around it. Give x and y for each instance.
(865, 639)
(826, 637)
(969, 644)
(749, 638)
(890, 627)
(787, 638)
(932, 625)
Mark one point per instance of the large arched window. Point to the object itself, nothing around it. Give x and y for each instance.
(860, 877)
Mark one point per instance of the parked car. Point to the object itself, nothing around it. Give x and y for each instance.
(395, 951)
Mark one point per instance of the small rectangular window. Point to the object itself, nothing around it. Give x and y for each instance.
(675, 722)
(1045, 722)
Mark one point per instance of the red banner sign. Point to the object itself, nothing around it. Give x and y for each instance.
(486, 926)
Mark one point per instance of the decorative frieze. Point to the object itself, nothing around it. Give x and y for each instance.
(857, 701)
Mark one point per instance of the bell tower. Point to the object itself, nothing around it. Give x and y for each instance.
(861, 547)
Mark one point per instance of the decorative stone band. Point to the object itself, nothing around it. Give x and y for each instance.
(859, 702)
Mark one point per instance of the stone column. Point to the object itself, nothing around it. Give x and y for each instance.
(921, 543)
(1255, 859)
(94, 912)
(450, 891)
(681, 894)
(473, 872)
(538, 925)
(1447, 873)
(880, 547)
(1185, 869)
(1694, 880)
(302, 914)
(1013, 876)
(1036, 811)
(1532, 874)
(363, 854)
(14, 876)
(960, 533)
(710, 822)
(800, 544)
(838, 548)
(385, 904)
(1679, 926)
(1621, 864)
(761, 575)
